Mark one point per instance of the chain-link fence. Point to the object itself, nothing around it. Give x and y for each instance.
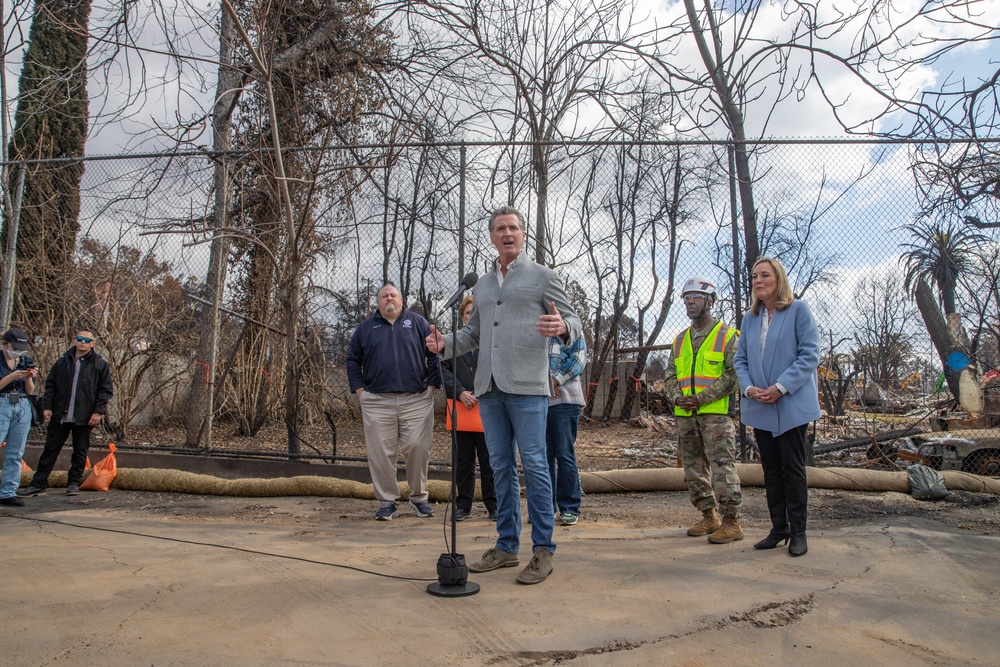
(624, 223)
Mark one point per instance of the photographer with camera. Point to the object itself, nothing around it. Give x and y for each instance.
(17, 373)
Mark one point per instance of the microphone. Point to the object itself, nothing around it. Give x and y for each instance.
(468, 282)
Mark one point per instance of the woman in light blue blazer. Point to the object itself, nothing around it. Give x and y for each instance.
(776, 362)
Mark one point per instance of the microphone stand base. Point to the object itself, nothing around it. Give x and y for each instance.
(453, 590)
(453, 578)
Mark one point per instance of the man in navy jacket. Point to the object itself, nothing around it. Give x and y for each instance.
(391, 372)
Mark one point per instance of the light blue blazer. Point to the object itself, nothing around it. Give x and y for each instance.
(791, 358)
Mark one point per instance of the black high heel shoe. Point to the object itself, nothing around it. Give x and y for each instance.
(798, 545)
(772, 540)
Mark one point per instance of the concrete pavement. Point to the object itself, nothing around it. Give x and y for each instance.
(137, 586)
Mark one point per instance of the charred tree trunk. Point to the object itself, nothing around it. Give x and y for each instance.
(941, 336)
(632, 387)
(734, 119)
(609, 405)
(225, 102)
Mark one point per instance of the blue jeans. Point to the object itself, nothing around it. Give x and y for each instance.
(517, 422)
(15, 422)
(560, 435)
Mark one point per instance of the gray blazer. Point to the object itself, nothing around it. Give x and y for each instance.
(511, 351)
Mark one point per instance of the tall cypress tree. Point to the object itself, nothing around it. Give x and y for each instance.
(51, 122)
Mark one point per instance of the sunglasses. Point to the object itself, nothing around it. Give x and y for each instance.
(84, 339)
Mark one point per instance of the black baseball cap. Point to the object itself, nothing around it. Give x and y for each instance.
(17, 339)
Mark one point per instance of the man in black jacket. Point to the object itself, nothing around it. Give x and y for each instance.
(77, 392)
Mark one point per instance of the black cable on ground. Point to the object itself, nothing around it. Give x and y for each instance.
(221, 546)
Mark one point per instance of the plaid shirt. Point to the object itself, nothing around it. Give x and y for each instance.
(566, 364)
(567, 361)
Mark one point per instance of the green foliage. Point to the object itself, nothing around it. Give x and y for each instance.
(943, 252)
(51, 122)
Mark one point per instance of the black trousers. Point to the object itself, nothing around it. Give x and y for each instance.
(783, 458)
(55, 438)
(470, 446)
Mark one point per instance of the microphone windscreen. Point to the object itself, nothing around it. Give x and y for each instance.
(470, 280)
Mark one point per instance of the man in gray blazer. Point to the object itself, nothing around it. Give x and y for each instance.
(518, 306)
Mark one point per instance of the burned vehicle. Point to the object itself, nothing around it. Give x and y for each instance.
(975, 451)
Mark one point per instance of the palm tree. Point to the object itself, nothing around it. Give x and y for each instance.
(942, 252)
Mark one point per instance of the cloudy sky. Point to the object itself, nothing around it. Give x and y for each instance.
(145, 93)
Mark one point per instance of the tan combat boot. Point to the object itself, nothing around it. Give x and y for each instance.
(730, 531)
(708, 525)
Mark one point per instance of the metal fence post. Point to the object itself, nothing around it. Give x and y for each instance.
(737, 273)
(213, 357)
(461, 212)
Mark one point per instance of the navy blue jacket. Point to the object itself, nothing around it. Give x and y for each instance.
(387, 357)
(5, 370)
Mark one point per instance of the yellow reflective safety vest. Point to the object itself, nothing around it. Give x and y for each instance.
(696, 372)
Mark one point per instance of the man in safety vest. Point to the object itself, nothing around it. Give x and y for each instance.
(700, 380)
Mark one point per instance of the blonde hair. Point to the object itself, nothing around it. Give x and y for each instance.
(466, 300)
(784, 295)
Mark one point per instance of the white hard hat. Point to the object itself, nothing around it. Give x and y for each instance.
(700, 285)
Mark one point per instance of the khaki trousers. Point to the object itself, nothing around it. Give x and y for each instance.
(394, 424)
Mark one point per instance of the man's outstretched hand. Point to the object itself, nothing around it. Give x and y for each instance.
(551, 323)
(435, 341)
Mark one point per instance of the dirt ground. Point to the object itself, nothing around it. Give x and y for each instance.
(829, 509)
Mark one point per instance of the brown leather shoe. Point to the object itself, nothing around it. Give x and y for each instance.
(494, 559)
(729, 531)
(538, 569)
(708, 524)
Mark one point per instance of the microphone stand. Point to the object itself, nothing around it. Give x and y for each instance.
(453, 573)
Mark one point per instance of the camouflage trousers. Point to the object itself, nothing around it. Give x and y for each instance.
(707, 445)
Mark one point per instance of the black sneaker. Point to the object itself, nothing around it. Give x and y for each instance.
(73, 490)
(12, 501)
(386, 512)
(493, 516)
(423, 508)
(461, 515)
(31, 491)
